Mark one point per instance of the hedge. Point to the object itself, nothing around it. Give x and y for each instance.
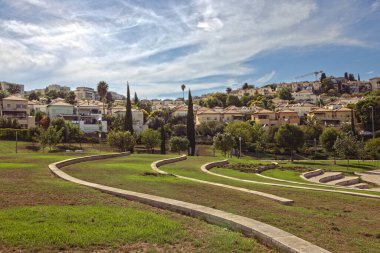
(22, 134)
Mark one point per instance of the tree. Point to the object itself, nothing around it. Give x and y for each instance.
(346, 75)
(33, 96)
(49, 137)
(123, 140)
(102, 89)
(347, 147)
(323, 76)
(128, 124)
(45, 122)
(224, 142)
(373, 148)
(179, 130)
(233, 100)
(244, 100)
(240, 129)
(212, 102)
(289, 137)
(364, 112)
(245, 86)
(351, 77)
(285, 93)
(358, 77)
(327, 84)
(163, 140)
(178, 144)
(70, 98)
(155, 122)
(210, 128)
(190, 126)
(222, 97)
(183, 87)
(14, 89)
(60, 124)
(136, 99)
(150, 138)
(328, 139)
(228, 90)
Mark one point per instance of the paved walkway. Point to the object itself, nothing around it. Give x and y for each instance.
(372, 177)
(294, 186)
(157, 164)
(269, 235)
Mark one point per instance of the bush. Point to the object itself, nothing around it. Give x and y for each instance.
(123, 140)
(22, 134)
(179, 144)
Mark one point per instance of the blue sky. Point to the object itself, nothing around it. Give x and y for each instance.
(208, 45)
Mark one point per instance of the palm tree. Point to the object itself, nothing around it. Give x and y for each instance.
(228, 90)
(102, 90)
(183, 87)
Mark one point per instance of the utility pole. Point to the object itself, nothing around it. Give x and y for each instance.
(16, 142)
(239, 147)
(373, 123)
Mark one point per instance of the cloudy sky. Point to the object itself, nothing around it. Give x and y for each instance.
(207, 45)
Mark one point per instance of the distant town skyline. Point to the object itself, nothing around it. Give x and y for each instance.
(207, 45)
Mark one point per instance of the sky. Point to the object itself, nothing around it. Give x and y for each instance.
(157, 45)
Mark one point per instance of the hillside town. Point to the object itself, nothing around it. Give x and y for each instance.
(329, 100)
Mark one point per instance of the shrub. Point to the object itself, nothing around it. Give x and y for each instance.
(179, 144)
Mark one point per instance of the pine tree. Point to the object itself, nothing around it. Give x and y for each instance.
(128, 125)
(346, 75)
(358, 77)
(163, 140)
(323, 76)
(190, 126)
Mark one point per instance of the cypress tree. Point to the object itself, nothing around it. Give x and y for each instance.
(163, 140)
(128, 125)
(190, 126)
(136, 99)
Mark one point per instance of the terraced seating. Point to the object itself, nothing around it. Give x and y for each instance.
(334, 178)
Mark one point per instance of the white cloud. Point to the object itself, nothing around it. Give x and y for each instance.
(84, 42)
(375, 5)
(266, 78)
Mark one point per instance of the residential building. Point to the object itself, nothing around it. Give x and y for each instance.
(167, 101)
(179, 101)
(85, 93)
(301, 108)
(332, 117)
(137, 118)
(59, 109)
(117, 96)
(17, 108)
(356, 86)
(58, 88)
(375, 83)
(287, 117)
(305, 96)
(6, 86)
(264, 117)
(207, 116)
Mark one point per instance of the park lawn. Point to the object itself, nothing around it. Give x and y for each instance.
(337, 222)
(328, 165)
(40, 212)
(191, 168)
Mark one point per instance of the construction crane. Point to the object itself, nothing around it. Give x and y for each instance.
(316, 73)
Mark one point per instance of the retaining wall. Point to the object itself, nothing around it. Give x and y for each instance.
(269, 235)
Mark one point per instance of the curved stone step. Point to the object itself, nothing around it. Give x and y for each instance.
(345, 181)
(360, 186)
(313, 173)
(327, 177)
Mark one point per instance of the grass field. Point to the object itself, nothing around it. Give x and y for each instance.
(340, 223)
(40, 212)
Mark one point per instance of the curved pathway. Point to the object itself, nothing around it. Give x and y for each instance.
(206, 170)
(269, 235)
(157, 164)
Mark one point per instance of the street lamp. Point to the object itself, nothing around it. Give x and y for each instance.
(373, 123)
(239, 147)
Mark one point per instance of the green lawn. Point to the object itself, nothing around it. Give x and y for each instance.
(340, 223)
(40, 212)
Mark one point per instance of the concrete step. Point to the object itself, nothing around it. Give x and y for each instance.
(327, 177)
(313, 173)
(360, 186)
(345, 181)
